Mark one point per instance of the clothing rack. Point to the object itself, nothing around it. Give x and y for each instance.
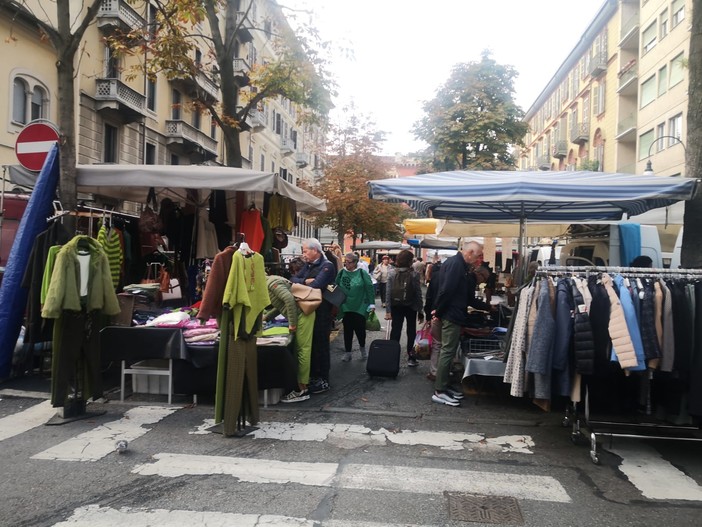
(614, 428)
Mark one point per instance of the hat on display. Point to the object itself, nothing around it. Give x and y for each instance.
(280, 238)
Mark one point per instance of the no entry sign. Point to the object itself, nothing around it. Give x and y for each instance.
(33, 144)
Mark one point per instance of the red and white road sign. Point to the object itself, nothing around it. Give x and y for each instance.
(33, 145)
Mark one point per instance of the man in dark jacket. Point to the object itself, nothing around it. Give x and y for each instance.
(456, 292)
(318, 272)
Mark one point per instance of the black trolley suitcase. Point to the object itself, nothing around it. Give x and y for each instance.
(384, 356)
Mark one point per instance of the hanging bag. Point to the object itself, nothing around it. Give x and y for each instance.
(422, 342)
(307, 298)
(334, 295)
(372, 321)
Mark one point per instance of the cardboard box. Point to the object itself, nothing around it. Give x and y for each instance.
(146, 383)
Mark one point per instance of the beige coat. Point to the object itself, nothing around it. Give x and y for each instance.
(618, 330)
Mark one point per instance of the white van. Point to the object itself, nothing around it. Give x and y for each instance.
(675, 257)
(603, 248)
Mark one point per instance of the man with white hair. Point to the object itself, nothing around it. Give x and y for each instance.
(456, 292)
(318, 272)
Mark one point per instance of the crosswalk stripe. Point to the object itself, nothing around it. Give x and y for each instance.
(97, 516)
(25, 420)
(357, 435)
(357, 476)
(655, 477)
(100, 441)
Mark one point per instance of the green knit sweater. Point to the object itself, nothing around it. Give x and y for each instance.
(358, 287)
(282, 300)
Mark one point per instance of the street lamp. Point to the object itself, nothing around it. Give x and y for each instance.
(649, 167)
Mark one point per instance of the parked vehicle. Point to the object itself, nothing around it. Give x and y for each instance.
(13, 208)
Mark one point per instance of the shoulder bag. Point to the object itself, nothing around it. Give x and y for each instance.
(307, 298)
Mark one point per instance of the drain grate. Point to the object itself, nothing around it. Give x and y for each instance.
(484, 509)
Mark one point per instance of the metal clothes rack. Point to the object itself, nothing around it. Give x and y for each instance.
(611, 428)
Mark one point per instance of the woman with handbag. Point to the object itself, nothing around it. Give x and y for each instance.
(360, 300)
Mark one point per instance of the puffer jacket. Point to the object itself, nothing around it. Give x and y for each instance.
(618, 331)
(583, 338)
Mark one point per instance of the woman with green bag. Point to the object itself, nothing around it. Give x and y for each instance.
(360, 300)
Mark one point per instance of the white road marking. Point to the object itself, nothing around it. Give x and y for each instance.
(356, 476)
(353, 436)
(656, 478)
(20, 422)
(99, 442)
(96, 516)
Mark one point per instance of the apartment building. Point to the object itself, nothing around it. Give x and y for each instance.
(619, 99)
(126, 118)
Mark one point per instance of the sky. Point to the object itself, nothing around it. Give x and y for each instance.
(404, 50)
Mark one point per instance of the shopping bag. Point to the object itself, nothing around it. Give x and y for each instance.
(307, 298)
(372, 322)
(173, 290)
(422, 342)
(334, 295)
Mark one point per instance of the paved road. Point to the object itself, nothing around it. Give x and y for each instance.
(368, 453)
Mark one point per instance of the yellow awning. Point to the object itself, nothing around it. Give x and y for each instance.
(420, 225)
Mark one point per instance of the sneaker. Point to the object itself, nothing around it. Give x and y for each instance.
(412, 362)
(346, 357)
(444, 398)
(431, 376)
(454, 393)
(383, 304)
(364, 354)
(320, 386)
(295, 397)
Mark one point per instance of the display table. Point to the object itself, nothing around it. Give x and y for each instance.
(191, 369)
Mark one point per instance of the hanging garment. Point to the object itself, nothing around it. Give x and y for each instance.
(632, 324)
(514, 369)
(668, 341)
(246, 291)
(647, 321)
(622, 346)
(281, 212)
(207, 244)
(250, 224)
(211, 305)
(600, 309)
(113, 249)
(583, 339)
(540, 356)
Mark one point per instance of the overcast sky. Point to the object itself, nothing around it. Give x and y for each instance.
(405, 49)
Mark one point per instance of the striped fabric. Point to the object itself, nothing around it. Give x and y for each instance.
(492, 196)
(112, 245)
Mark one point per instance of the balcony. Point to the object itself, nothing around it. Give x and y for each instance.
(628, 79)
(626, 130)
(302, 159)
(118, 15)
(286, 146)
(560, 149)
(116, 98)
(598, 65)
(258, 120)
(629, 34)
(243, 27)
(580, 133)
(544, 162)
(188, 140)
(241, 72)
(199, 87)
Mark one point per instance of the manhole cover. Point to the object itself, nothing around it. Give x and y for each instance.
(484, 509)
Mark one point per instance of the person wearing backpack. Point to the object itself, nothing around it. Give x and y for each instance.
(404, 301)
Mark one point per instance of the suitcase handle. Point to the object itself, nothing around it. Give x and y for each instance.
(387, 329)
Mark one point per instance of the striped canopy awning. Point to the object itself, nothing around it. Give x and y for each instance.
(509, 196)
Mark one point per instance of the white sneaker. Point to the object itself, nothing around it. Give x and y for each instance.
(454, 393)
(346, 357)
(295, 397)
(444, 398)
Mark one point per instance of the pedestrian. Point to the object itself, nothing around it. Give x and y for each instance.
(299, 325)
(381, 275)
(404, 301)
(360, 300)
(430, 268)
(456, 292)
(318, 272)
(420, 268)
(432, 288)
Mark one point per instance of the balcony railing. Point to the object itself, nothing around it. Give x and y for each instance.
(243, 27)
(629, 34)
(598, 64)
(113, 94)
(286, 146)
(626, 129)
(544, 162)
(199, 87)
(241, 72)
(560, 149)
(258, 120)
(627, 80)
(302, 159)
(580, 133)
(118, 14)
(191, 138)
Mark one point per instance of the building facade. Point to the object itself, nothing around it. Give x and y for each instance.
(126, 117)
(620, 98)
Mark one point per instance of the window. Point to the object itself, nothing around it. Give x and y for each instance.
(662, 80)
(151, 94)
(150, 154)
(676, 70)
(30, 100)
(197, 119)
(648, 39)
(678, 10)
(599, 98)
(675, 129)
(175, 109)
(663, 24)
(109, 144)
(263, 162)
(648, 91)
(645, 142)
(175, 160)
(660, 132)
(19, 101)
(111, 64)
(213, 129)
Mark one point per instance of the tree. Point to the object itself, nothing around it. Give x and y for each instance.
(296, 70)
(691, 255)
(473, 122)
(65, 35)
(353, 161)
